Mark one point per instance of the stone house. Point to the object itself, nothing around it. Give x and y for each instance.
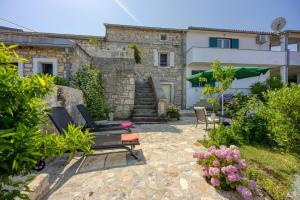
(168, 56)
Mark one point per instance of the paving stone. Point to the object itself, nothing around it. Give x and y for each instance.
(166, 169)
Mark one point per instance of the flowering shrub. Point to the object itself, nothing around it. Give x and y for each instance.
(225, 170)
(173, 112)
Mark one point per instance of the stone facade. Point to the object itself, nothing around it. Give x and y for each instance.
(119, 85)
(148, 41)
(69, 98)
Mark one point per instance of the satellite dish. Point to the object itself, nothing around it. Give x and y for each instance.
(278, 24)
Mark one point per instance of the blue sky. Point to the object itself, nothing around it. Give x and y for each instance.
(88, 16)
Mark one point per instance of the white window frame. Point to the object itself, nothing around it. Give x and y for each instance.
(168, 59)
(38, 61)
(222, 43)
(165, 35)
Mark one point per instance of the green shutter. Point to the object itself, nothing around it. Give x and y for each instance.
(213, 42)
(234, 43)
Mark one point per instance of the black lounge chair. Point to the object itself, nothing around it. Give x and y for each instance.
(91, 125)
(61, 118)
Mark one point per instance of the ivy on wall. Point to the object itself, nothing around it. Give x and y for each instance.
(89, 80)
(137, 53)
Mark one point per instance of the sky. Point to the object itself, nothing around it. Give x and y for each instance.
(88, 16)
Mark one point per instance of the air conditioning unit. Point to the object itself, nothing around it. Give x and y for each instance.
(261, 39)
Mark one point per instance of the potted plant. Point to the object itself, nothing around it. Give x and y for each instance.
(173, 112)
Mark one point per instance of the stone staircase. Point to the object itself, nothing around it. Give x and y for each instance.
(144, 103)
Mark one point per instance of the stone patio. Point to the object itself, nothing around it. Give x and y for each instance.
(166, 169)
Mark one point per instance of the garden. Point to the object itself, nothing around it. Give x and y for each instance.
(24, 143)
(260, 147)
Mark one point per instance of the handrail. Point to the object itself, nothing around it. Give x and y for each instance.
(161, 100)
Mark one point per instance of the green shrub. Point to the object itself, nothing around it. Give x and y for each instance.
(22, 111)
(259, 88)
(224, 135)
(234, 104)
(89, 80)
(173, 112)
(61, 81)
(282, 113)
(248, 126)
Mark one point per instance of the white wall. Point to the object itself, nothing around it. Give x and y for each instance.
(193, 94)
(198, 38)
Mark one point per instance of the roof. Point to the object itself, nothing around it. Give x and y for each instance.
(52, 35)
(144, 28)
(229, 30)
(4, 28)
(28, 40)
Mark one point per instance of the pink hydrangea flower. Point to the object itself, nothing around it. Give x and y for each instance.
(199, 155)
(233, 177)
(214, 181)
(213, 171)
(252, 185)
(216, 163)
(243, 164)
(205, 170)
(246, 193)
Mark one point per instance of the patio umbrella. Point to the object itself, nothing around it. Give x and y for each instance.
(239, 73)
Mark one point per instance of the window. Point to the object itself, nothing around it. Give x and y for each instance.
(163, 59)
(45, 66)
(196, 83)
(223, 43)
(163, 37)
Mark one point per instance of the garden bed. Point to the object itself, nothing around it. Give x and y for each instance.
(273, 171)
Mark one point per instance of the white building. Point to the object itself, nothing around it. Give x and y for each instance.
(238, 48)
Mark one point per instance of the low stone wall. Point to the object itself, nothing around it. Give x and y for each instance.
(119, 86)
(161, 100)
(69, 98)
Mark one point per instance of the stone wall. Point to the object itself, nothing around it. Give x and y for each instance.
(119, 85)
(69, 98)
(148, 41)
(62, 56)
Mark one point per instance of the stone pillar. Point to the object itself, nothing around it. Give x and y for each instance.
(298, 78)
(284, 48)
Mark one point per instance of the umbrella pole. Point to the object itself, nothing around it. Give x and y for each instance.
(222, 104)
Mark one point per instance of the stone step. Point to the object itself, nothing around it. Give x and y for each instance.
(144, 115)
(145, 119)
(153, 106)
(144, 94)
(143, 111)
(144, 103)
(144, 99)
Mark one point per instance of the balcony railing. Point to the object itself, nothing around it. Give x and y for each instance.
(204, 55)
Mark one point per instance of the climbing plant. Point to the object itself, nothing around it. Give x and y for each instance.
(137, 53)
(89, 80)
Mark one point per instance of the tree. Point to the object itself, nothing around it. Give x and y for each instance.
(224, 77)
(22, 111)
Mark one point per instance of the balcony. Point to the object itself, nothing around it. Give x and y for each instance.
(203, 55)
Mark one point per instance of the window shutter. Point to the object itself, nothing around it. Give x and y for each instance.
(234, 43)
(213, 42)
(155, 57)
(172, 59)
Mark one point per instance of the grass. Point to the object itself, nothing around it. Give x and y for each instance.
(273, 171)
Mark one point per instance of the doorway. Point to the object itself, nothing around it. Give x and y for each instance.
(168, 91)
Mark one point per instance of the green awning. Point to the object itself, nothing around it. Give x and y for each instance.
(239, 73)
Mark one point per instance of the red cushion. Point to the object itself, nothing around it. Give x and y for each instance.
(129, 137)
(126, 124)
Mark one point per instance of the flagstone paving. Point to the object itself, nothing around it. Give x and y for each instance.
(166, 169)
